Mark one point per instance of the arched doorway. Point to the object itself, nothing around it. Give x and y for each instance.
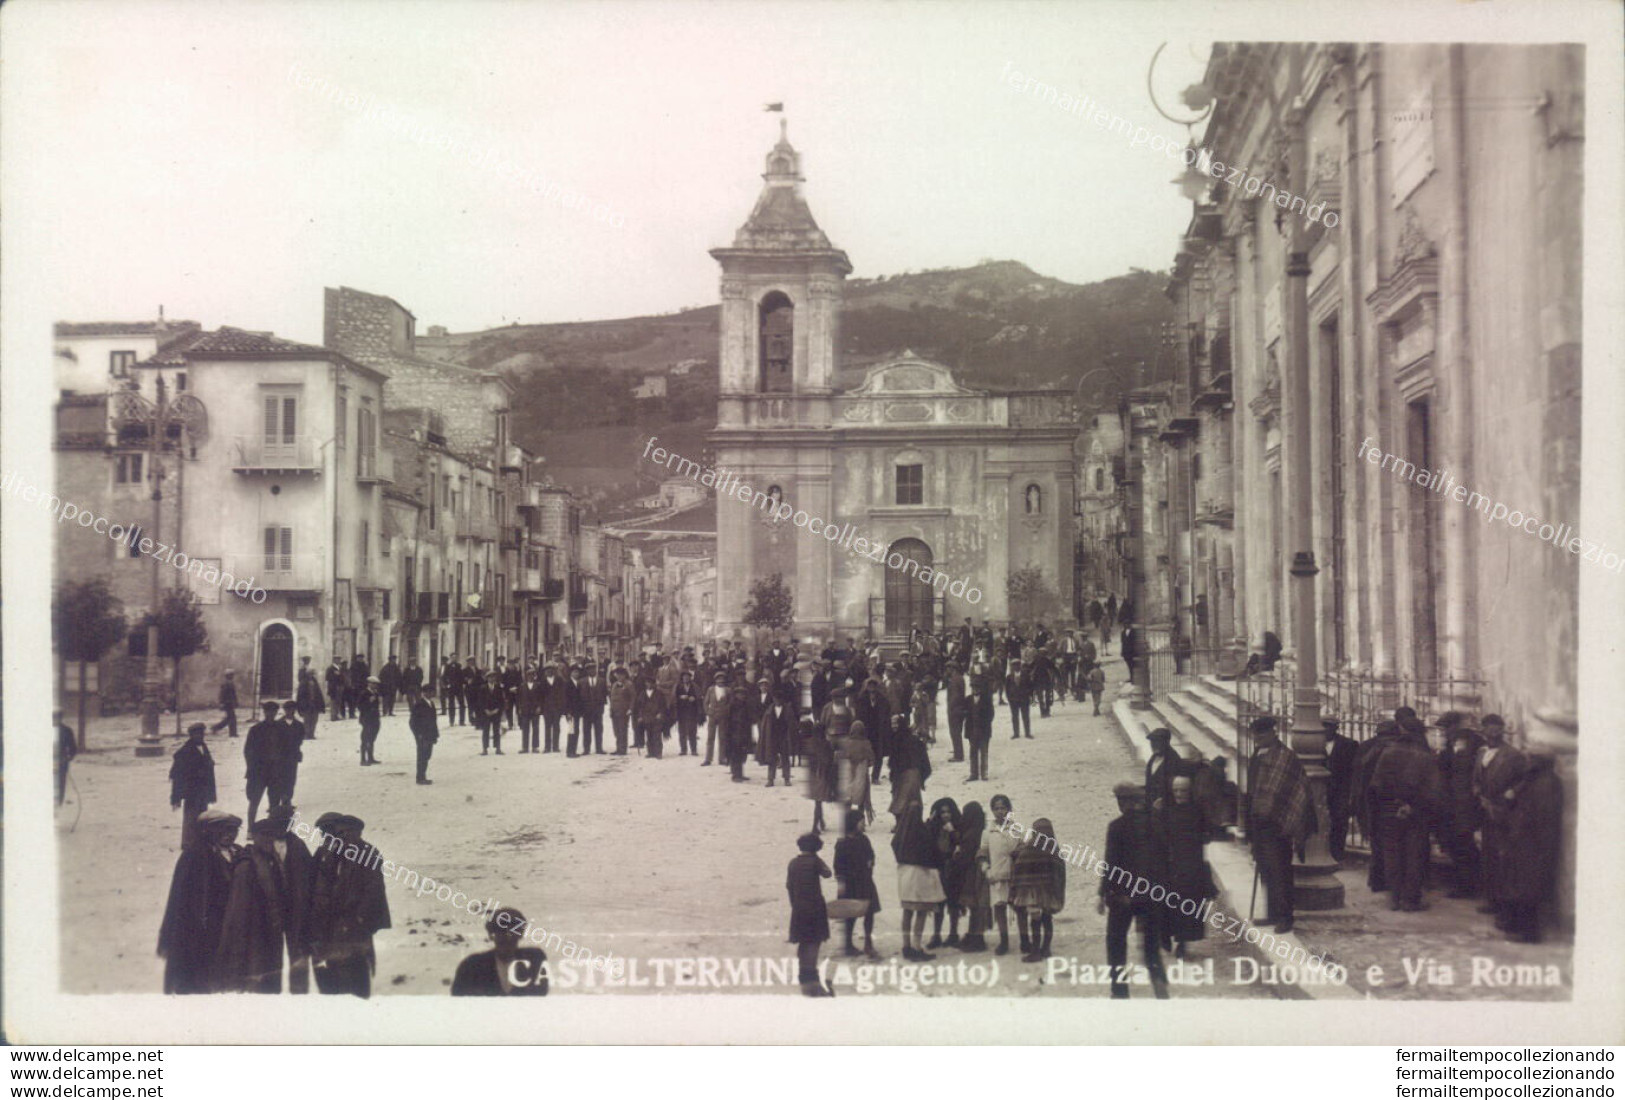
(908, 598)
(276, 662)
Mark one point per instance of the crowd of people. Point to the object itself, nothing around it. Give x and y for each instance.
(847, 714)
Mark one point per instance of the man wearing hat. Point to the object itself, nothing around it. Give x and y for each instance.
(266, 916)
(1160, 770)
(262, 749)
(556, 703)
(1340, 753)
(285, 775)
(1279, 816)
(622, 699)
(592, 695)
(309, 702)
(1018, 688)
(1461, 818)
(370, 708)
(189, 938)
(348, 906)
(228, 703)
(1134, 852)
(1364, 806)
(1494, 782)
(718, 700)
(979, 724)
(1407, 794)
(191, 781)
(425, 729)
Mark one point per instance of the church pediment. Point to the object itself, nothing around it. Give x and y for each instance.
(908, 373)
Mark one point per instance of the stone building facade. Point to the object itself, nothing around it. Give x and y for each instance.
(931, 494)
(1423, 328)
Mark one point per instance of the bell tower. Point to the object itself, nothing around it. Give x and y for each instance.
(781, 292)
(781, 299)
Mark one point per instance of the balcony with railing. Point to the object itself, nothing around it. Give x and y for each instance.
(427, 607)
(476, 525)
(476, 604)
(278, 572)
(375, 468)
(255, 454)
(513, 537)
(578, 594)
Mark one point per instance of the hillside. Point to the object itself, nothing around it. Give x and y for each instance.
(999, 325)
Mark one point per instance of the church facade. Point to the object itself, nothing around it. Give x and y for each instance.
(911, 498)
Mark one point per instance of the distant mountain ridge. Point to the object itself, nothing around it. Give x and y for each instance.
(999, 325)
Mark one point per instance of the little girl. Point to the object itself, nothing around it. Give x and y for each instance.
(1038, 890)
(809, 916)
(855, 872)
(999, 850)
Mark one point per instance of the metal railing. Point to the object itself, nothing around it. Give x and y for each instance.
(257, 453)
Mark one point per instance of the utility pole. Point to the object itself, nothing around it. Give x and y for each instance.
(152, 682)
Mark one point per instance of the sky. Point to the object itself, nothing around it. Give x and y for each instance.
(228, 161)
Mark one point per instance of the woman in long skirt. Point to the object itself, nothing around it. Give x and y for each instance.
(919, 884)
(822, 784)
(855, 872)
(809, 915)
(970, 871)
(943, 826)
(856, 759)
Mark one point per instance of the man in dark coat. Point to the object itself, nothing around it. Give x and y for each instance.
(189, 937)
(779, 728)
(592, 694)
(412, 678)
(1041, 672)
(369, 706)
(337, 678)
(360, 673)
(1340, 754)
(530, 713)
(979, 724)
(1365, 764)
(1459, 815)
(1018, 692)
(266, 915)
(556, 704)
(191, 781)
(285, 774)
(511, 677)
(348, 907)
(1279, 817)
(1160, 770)
(1134, 850)
(875, 714)
(389, 685)
(451, 690)
(1406, 793)
(262, 749)
(958, 691)
(1534, 843)
(309, 703)
(425, 729)
(651, 718)
(740, 718)
(228, 704)
(508, 969)
(1498, 768)
(485, 707)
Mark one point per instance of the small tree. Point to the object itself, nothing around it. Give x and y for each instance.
(181, 633)
(1030, 595)
(770, 604)
(87, 620)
